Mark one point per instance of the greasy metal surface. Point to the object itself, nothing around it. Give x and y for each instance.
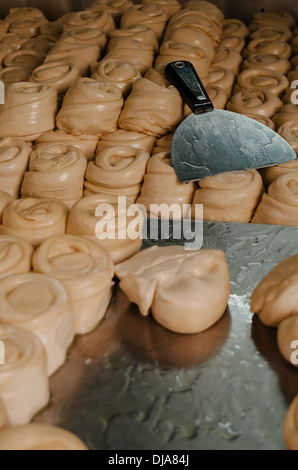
(131, 384)
(220, 141)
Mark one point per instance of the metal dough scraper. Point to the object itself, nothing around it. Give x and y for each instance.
(212, 141)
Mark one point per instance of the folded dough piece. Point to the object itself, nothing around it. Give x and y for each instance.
(24, 382)
(13, 41)
(14, 74)
(205, 7)
(38, 436)
(29, 110)
(280, 205)
(137, 32)
(29, 59)
(170, 6)
(122, 138)
(113, 222)
(288, 112)
(56, 171)
(261, 46)
(119, 72)
(263, 103)
(85, 269)
(141, 56)
(14, 158)
(151, 15)
(152, 109)
(163, 144)
(258, 78)
(90, 18)
(290, 426)
(287, 332)
(40, 304)
(222, 78)
(27, 27)
(227, 58)
(187, 291)
(90, 107)
(5, 199)
(115, 7)
(15, 255)
(34, 219)
(24, 13)
(52, 29)
(59, 75)
(117, 170)
(193, 36)
(209, 24)
(86, 36)
(272, 17)
(275, 297)
(234, 27)
(170, 51)
(233, 42)
(271, 173)
(40, 43)
(289, 132)
(268, 61)
(82, 55)
(162, 194)
(273, 32)
(229, 197)
(85, 143)
(3, 415)
(4, 26)
(217, 95)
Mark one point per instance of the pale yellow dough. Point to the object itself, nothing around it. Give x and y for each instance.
(5, 199)
(14, 158)
(187, 291)
(229, 197)
(275, 297)
(253, 101)
(234, 27)
(140, 55)
(59, 75)
(228, 58)
(37, 436)
(120, 72)
(137, 32)
(271, 173)
(82, 55)
(15, 255)
(40, 304)
(193, 36)
(24, 382)
(290, 426)
(85, 269)
(273, 32)
(259, 78)
(151, 15)
(268, 61)
(90, 18)
(122, 138)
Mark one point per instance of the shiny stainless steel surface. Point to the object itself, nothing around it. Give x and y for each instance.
(131, 384)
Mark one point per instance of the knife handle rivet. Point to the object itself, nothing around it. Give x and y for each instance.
(179, 64)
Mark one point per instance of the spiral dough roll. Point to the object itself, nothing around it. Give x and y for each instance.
(29, 110)
(151, 15)
(24, 382)
(122, 138)
(40, 304)
(59, 75)
(117, 71)
(55, 171)
(261, 79)
(261, 102)
(85, 269)
(15, 255)
(117, 170)
(90, 107)
(14, 158)
(34, 219)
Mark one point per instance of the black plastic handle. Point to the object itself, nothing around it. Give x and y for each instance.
(185, 78)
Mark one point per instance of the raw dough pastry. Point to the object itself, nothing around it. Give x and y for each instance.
(37, 436)
(34, 219)
(59, 75)
(162, 189)
(262, 119)
(15, 255)
(217, 95)
(89, 18)
(272, 17)
(152, 109)
(3, 415)
(227, 58)
(280, 205)
(27, 27)
(85, 143)
(193, 36)
(157, 77)
(29, 59)
(122, 138)
(56, 171)
(234, 27)
(52, 30)
(163, 144)
(263, 103)
(85, 269)
(172, 50)
(273, 32)
(294, 45)
(210, 24)
(4, 51)
(117, 71)
(29, 110)
(274, 298)
(82, 55)
(5, 199)
(289, 131)
(230, 197)
(170, 6)
(290, 426)
(4, 26)
(268, 61)
(13, 41)
(260, 46)
(138, 54)
(150, 15)
(90, 107)
(207, 8)
(288, 112)
(287, 335)
(106, 219)
(86, 36)
(14, 158)
(24, 13)
(221, 77)
(259, 78)
(271, 173)
(115, 7)
(40, 304)
(137, 32)
(24, 382)
(233, 42)
(178, 285)
(40, 43)
(117, 170)
(14, 74)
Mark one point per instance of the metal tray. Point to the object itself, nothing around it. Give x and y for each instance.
(132, 385)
